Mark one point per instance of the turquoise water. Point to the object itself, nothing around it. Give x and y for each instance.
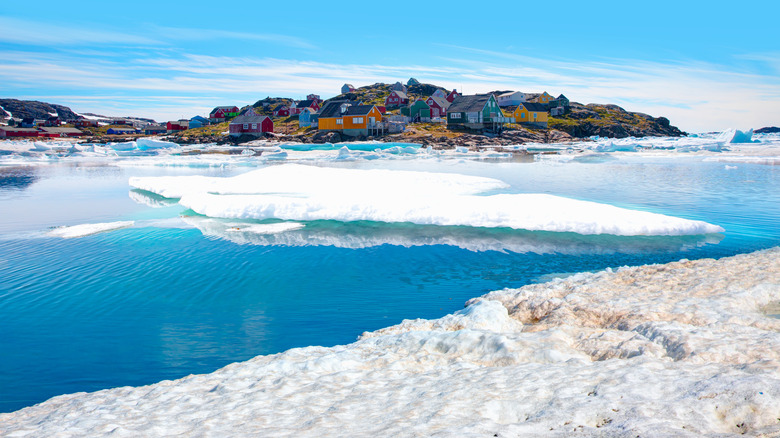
(173, 296)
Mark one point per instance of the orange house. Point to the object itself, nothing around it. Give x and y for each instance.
(349, 118)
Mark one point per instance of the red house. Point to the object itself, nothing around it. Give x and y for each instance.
(453, 94)
(281, 111)
(396, 98)
(178, 125)
(438, 106)
(83, 123)
(314, 97)
(312, 104)
(251, 123)
(54, 132)
(220, 113)
(6, 131)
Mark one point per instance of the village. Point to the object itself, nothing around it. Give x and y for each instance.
(388, 110)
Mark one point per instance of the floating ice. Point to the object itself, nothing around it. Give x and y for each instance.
(682, 349)
(737, 136)
(305, 193)
(88, 229)
(151, 143)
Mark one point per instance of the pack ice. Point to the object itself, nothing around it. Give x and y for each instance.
(307, 193)
(683, 349)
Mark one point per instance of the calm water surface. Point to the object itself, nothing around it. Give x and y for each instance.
(174, 296)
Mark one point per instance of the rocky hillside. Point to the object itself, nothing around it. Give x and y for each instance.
(611, 121)
(30, 108)
(375, 94)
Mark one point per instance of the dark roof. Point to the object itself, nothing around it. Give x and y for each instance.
(333, 108)
(157, 127)
(248, 117)
(62, 130)
(562, 97)
(469, 104)
(222, 107)
(400, 94)
(358, 110)
(534, 106)
(441, 101)
(10, 129)
(305, 103)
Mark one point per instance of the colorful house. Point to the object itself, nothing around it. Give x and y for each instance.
(6, 132)
(281, 111)
(82, 122)
(440, 93)
(347, 88)
(544, 98)
(398, 87)
(396, 98)
(178, 125)
(419, 111)
(52, 121)
(453, 94)
(222, 113)
(198, 122)
(412, 81)
(250, 123)
(121, 131)
(349, 119)
(511, 98)
(304, 119)
(311, 104)
(532, 113)
(60, 132)
(560, 101)
(479, 111)
(438, 105)
(314, 97)
(155, 129)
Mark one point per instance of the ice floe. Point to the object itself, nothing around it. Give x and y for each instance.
(682, 349)
(88, 229)
(307, 193)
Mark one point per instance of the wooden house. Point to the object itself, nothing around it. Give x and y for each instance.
(418, 111)
(82, 122)
(438, 105)
(250, 123)
(542, 97)
(311, 104)
(512, 98)
(315, 97)
(453, 94)
(198, 122)
(59, 132)
(8, 132)
(532, 113)
(479, 111)
(349, 119)
(52, 121)
(155, 129)
(304, 119)
(440, 93)
(281, 111)
(115, 130)
(222, 113)
(560, 101)
(177, 125)
(347, 88)
(398, 87)
(412, 81)
(396, 99)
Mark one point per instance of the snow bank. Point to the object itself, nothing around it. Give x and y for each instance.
(305, 193)
(682, 349)
(88, 229)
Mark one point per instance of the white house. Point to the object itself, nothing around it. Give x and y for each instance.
(513, 98)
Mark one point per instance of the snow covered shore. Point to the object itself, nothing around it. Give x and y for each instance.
(682, 349)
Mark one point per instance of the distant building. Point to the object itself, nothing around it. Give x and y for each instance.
(398, 87)
(155, 129)
(453, 94)
(513, 98)
(479, 111)
(52, 121)
(438, 105)
(198, 122)
(305, 117)
(440, 93)
(281, 111)
(177, 125)
(396, 99)
(222, 113)
(347, 88)
(250, 123)
(82, 122)
(419, 111)
(60, 132)
(543, 97)
(412, 81)
(121, 130)
(531, 113)
(315, 97)
(7, 132)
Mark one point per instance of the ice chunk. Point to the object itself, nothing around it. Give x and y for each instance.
(737, 136)
(88, 229)
(150, 143)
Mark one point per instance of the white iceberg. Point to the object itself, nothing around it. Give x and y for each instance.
(82, 230)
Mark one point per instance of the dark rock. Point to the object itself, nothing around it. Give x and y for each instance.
(767, 130)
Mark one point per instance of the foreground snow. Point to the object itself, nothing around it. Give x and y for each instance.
(308, 193)
(682, 349)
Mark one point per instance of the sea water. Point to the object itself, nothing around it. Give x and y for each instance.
(175, 294)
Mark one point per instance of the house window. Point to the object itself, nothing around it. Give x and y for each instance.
(455, 115)
(254, 125)
(535, 115)
(246, 125)
(357, 120)
(339, 121)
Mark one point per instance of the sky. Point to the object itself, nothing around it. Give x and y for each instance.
(706, 66)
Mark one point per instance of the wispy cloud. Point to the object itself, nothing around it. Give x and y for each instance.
(36, 33)
(193, 34)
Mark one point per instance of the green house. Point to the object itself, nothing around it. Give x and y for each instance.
(418, 111)
(479, 111)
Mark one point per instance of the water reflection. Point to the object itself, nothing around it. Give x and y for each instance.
(356, 235)
(17, 177)
(151, 199)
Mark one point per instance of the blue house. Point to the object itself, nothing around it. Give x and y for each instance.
(121, 131)
(306, 117)
(198, 122)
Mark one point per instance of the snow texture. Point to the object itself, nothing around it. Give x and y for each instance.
(307, 193)
(88, 229)
(683, 349)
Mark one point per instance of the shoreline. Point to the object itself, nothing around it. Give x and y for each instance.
(610, 352)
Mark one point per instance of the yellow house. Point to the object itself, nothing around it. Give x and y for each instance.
(543, 98)
(532, 113)
(349, 117)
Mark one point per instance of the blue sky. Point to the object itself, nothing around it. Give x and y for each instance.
(706, 66)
